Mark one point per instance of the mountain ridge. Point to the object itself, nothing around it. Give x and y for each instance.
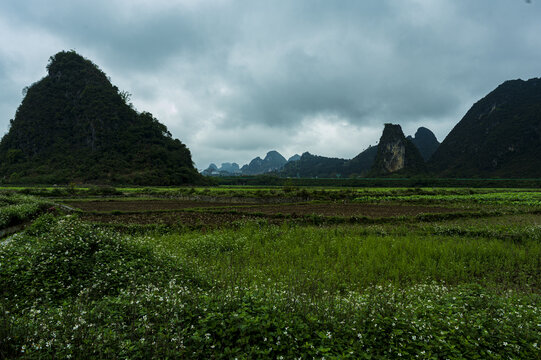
(425, 140)
(499, 136)
(73, 125)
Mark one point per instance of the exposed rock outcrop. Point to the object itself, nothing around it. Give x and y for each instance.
(396, 153)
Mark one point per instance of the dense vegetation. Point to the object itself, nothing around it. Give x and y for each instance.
(423, 286)
(74, 125)
(16, 209)
(314, 166)
(499, 136)
(380, 182)
(425, 141)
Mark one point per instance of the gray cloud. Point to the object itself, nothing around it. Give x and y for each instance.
(233, 79)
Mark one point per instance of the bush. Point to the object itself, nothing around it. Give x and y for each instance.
(17, 209)
(72, 259)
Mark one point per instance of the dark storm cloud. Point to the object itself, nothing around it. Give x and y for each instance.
(137, 37)
(233, 77)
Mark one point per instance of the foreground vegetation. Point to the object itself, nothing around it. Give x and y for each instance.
(464, 287)
(16, 209)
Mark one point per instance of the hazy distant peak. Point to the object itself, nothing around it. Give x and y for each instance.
(295, 157)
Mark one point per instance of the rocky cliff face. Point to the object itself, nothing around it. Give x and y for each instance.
(360, 165)
(396, 153)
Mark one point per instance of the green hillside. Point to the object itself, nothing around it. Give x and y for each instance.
(500, 136)
(75, 126)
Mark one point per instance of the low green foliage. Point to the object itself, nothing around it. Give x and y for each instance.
(524, 198)
(429, 321)
(16, 209)
(429, 287)
(393, 181)
(344, 258)
(56, 261)
(79, 291)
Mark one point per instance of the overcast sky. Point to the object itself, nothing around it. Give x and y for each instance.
(235, 79)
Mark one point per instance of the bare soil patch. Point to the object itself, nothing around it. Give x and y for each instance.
(142, 205)
(346, 209)
(322, 209)
(211, 217)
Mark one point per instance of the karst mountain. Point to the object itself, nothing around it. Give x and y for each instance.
(500, 136)
(73, 125)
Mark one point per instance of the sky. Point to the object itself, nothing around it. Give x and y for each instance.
(235, 79)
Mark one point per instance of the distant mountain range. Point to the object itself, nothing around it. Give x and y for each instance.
(500, 136)
(73, 125)
(309, 165)
(273, 162)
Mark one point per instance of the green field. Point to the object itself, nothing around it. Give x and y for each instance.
(270, 272)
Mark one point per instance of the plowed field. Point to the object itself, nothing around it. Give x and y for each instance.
(222, 213)
(345, 209)
(143, 205)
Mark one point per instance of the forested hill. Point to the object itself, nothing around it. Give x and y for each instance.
(500, 136)
(74, 125)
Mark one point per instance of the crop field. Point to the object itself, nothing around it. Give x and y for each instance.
(270, 272)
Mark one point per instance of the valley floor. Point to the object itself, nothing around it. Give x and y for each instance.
(271, 272)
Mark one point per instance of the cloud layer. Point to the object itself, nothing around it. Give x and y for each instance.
(234, 79)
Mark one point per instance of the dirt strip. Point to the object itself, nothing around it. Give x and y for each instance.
(143, 205)
(323, 209)
(346, 210)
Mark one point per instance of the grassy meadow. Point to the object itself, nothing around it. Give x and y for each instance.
(270, 272)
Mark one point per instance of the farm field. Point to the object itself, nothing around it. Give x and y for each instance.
(270, 272)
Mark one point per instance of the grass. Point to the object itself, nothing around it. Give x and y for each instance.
(16, 209)
(346, 258)
(523, 198)
(432, 287)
